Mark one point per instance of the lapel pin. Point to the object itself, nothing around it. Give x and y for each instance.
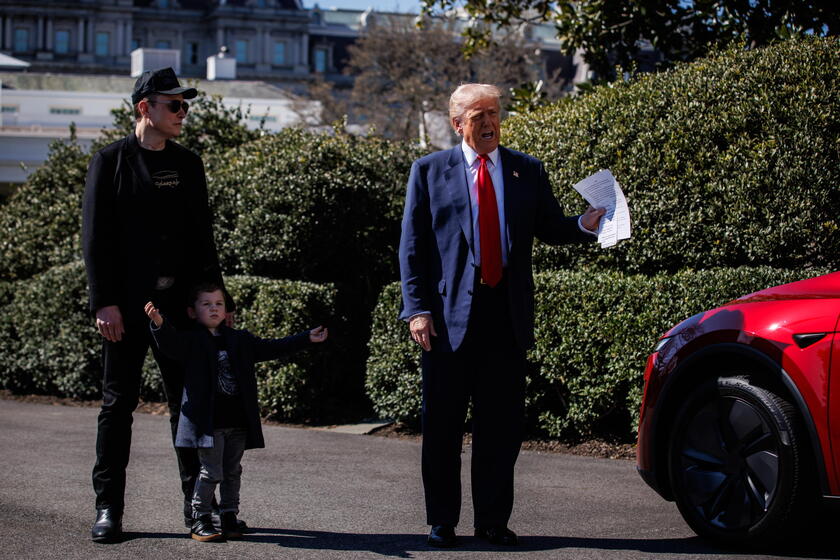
(516, 174)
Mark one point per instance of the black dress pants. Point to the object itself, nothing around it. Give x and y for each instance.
(122, 364)
(488, 369)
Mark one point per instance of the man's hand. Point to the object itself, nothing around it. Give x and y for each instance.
(591, 219)
(318, 334)
(153, 314)
(422, 329)
(109, 322)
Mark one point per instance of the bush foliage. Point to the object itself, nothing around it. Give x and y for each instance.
(42, 220)
(49, 345)
(594, 332)
(312, 207)
(729, 161)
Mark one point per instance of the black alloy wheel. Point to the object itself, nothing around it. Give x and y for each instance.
(735, 462)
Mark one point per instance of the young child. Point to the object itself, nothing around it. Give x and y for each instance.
(219, 411)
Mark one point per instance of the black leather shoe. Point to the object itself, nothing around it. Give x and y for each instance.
(203, 529)
(442, 536)
(108, 525)
(231, 525)
(497, 535)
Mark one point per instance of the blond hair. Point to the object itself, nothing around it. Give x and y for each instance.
(467, 94)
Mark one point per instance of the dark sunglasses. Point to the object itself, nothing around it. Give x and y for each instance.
(174, 105)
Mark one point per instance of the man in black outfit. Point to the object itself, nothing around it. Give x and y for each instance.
(146, 236)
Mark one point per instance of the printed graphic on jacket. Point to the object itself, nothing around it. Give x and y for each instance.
(226, 381)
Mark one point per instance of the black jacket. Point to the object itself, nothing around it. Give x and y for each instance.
(194, 349)
(119, 230)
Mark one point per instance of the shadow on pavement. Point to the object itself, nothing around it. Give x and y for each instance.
(401, 545)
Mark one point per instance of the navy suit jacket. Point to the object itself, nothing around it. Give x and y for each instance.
(437, 258)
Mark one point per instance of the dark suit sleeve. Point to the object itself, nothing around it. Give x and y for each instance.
(414, 250)
(171, 342)
(551, 225)
(99, 233)
(270, 349)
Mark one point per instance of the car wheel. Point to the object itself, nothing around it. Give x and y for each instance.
(735, 462)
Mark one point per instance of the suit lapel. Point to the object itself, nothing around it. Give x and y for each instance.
(511, 177)
(455, 179)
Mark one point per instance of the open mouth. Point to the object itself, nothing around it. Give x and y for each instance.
(487, 135)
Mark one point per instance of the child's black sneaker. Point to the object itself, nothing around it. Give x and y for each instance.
(231, 527)
(203, 529)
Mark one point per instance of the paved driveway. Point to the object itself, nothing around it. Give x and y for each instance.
(323, 495)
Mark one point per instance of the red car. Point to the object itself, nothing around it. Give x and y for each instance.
(740, 419)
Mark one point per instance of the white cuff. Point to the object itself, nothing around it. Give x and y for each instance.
(583, 229)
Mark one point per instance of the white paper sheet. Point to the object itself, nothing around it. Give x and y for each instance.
(601, 190)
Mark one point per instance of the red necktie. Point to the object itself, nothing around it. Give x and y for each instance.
(488, 226)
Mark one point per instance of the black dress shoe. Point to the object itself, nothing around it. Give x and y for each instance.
(188, 523)
(497, 535)
(442, 536)
(108, 525)
(231, 527)
(203, 529)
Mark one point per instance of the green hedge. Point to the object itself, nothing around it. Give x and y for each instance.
(42, 220)
(729, 161)
(594, 332)
(317, 208)
(312, 207)
(48, 343)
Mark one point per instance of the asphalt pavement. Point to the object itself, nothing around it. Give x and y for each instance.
(314, 494)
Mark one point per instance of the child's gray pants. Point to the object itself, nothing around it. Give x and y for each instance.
(220, 464)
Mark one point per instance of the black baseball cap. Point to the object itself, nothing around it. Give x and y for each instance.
(163, 81)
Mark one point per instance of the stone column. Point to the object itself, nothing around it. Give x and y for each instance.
(304, 50)
(81, 36)
(39, 34)
(119, 44)
(89, 46)
(50, 34)
(220, 38)
(129, 35)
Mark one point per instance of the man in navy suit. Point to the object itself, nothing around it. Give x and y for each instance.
(471, 215)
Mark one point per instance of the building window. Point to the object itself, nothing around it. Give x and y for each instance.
(163, 4)
(65, 111)
(135, 44)
(192, 52)
(280, 53)
(263, 118)
(21, 40)
(103, 43)
(163, 44)
(62, 41)
(9, 109)
(241, 46)
(321, 59)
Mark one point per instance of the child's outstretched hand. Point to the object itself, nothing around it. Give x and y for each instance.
(318, 334)
(155, 316)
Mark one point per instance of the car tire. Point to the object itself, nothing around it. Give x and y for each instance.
(736, 462)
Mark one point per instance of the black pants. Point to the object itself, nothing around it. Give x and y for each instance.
(489, 368)
(122, 364)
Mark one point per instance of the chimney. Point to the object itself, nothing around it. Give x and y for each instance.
(152, 59)
(221, 66)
